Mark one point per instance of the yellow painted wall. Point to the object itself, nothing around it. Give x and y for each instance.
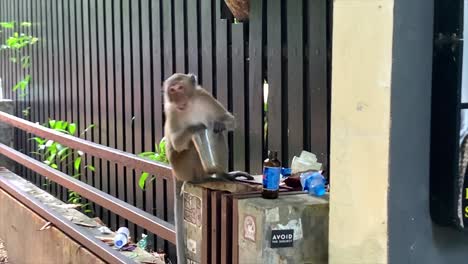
(360, 130)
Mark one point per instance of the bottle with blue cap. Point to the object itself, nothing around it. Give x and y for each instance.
(121, 237)
(271, 175)
(313, 182)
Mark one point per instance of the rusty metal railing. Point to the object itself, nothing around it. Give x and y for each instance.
(151, 223)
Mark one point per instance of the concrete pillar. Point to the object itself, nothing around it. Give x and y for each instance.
(6, 133)
(360, 131)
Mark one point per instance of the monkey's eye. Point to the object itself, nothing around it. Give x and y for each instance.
(176, 88)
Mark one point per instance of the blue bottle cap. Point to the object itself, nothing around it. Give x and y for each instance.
(119, 243)
(285, 172)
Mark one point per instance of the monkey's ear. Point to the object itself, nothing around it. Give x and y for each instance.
(193, 79)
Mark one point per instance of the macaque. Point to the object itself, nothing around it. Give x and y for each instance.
(189, 109)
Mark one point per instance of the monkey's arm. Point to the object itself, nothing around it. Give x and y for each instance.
(221, 119)
(228, 121)
(180, 140)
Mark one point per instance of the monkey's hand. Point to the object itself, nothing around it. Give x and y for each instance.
(218, 127)
(196, 128)
(181, 140)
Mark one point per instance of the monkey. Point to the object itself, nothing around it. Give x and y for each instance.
(188, 109)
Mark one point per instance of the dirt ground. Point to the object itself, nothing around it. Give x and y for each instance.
(3, 253)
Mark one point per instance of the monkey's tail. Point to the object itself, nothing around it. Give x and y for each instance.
(236, 174)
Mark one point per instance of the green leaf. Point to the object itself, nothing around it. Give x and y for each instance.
(7, 24)
(72, 128)
(61, 130)
(162, 146)
(13, 59)
(58, 125)
(90, 167)
(52, 123)
(76, 175)
(54, 166)
(26, 111)
(23, 84)
(64, 157)
(39, 140)
(51, 157)
(26, 24)
(158, 157)
(88, 128)
(77, 164)
(153, 157)
(62, 151)
(146, 154)
(25, 61)
(49, 143)
(156, 147)
(64, 126)
(53, 149)
(142, 180)
(59, 146)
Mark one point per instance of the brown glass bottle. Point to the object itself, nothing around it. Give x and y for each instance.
(271, 176)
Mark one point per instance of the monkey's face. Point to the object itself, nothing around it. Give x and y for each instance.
(179, 89)
(179, 94)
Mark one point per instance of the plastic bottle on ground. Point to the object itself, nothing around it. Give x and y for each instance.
(313, 182)
(121, 237)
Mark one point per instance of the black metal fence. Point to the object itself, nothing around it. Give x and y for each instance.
(103, 63)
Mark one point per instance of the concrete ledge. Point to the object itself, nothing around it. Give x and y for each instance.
(20, 228)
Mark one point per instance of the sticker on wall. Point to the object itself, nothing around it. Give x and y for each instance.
(282, 238)
(192, 209)
(249, 228)
(272, 215)
(295, 225)
(192, 246)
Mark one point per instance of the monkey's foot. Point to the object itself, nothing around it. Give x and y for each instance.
(237, 174)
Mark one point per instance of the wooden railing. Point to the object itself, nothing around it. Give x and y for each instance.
(141, 218)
